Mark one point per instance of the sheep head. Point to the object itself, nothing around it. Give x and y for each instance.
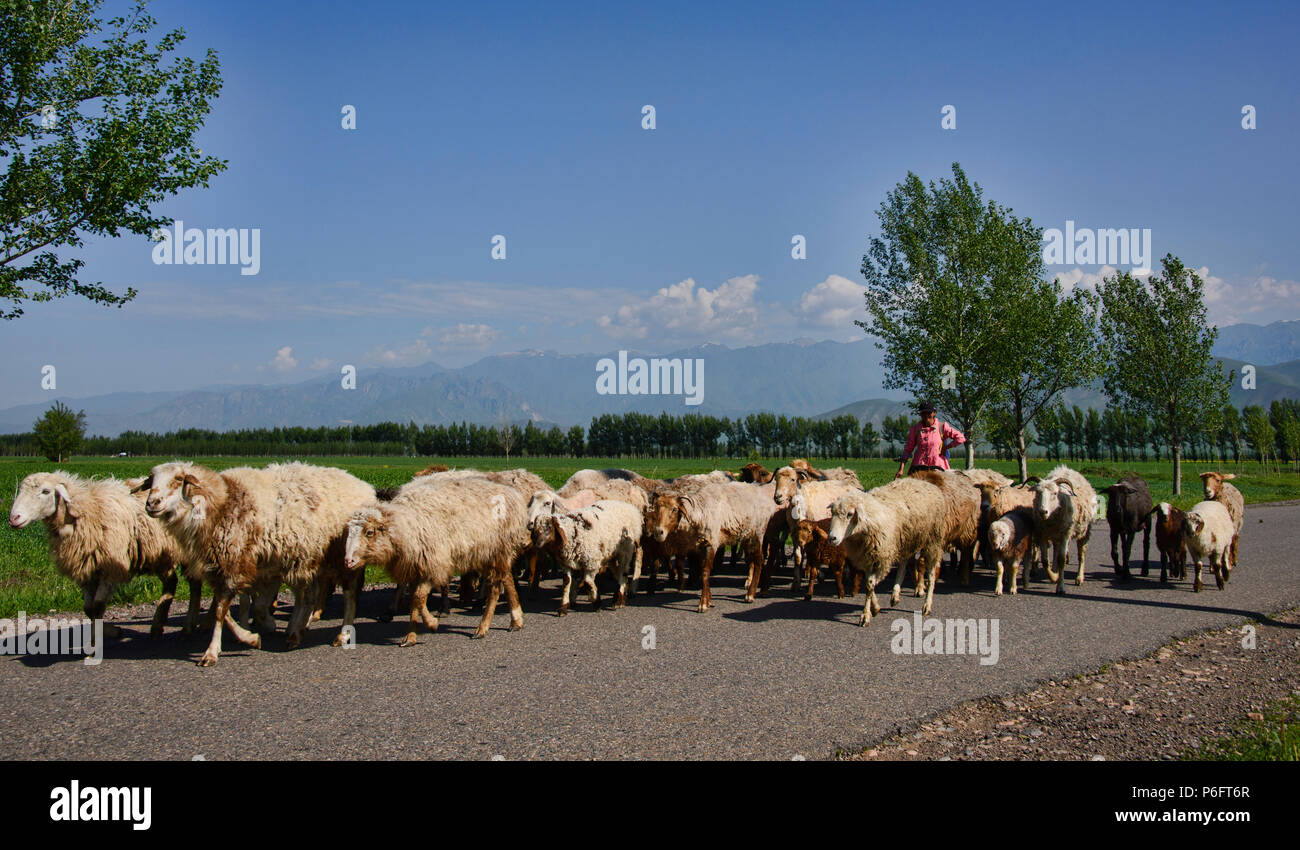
(368, 540)
(174, 492)
(787, 483)
(41, 495)
(1192, 524)
(805, 532)
(754, 473)
(1001, 533)
(665, 513)
(844, 517)
(1052, 496)
(1212, 482)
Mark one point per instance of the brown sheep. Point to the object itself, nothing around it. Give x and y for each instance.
(754, 473)
(1170, 542)
(813, 538)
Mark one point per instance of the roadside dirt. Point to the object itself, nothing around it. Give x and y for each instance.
(1160, 707)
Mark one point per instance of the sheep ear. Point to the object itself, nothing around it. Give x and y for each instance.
(587, 519)
(559, 532)
(188, 483)
(138, 484)
(62, 490)
(1229, 476)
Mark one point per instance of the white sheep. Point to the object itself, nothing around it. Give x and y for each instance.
(427, 535)
(605, 535)
(1217, 489)
(1065, 506)
(256, 528)
(1209, 532)
(884, 527)
(100, 537)
(985, 476)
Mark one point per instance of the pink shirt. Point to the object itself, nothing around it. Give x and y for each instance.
(925, 443)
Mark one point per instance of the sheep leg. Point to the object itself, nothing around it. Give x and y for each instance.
(444, 604)
(220, 608)
(593, 594)
(637, 555)
(1197, 586)
(1059, 556)
(99, 604)
(304, 604)
(1081, 547)
(1164, 563)
(386, 616)
(870, 606)
(490, 606)
(918, 577)
(1221, 569)
(1232, 560)
(164, 603)
(351, 590)
(898, 585)
(534, 578)
(812, 579)
(706, 569)
(839, 581)
(1146, 546)
(246, 609)
(754, 557)
(931, 560)
(564, 593)
(997, 582)
(1045, 553)
(192, 613)
(797, 552)
(420, 612)
(516, 610)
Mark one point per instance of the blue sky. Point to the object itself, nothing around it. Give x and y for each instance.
(771, 120)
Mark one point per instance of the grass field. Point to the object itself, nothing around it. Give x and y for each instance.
(29, 581)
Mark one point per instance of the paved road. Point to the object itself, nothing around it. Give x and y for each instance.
(778, 679)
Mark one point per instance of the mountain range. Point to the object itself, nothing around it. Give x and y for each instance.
(802, 377)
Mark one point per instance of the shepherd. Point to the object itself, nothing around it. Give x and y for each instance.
(928, 442)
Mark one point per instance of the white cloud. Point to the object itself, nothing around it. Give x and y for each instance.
(467, 336)
(283, 360)
(411, 354)
(835, 302)
(320, 363)
(687, 310)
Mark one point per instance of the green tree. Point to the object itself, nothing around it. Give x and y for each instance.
(94, 135)
(1160, 348)
(60, 432)
(1260, 432)
(933, 279)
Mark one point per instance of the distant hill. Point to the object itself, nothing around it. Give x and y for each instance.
(805, 378)
(1276, 343)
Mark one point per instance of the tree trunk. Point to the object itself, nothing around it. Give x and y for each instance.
(1178, 467)
(1023, 452)
(970, 454)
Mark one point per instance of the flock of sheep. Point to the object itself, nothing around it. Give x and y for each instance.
(246, 532)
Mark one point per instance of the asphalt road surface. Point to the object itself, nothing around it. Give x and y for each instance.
(779, 679)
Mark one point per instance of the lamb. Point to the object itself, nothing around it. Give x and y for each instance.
(705, 516)
(605, 535)
(426, 535)
(818, 496)
(1218, 489)
(812, 537)
(1169, 540)
(1128, 509)
(254, 528)
(1011, 542)
(961, 500)
(886, 526)
(1209, 532)
(995, 501)
(1064, 507)
(100, 536)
